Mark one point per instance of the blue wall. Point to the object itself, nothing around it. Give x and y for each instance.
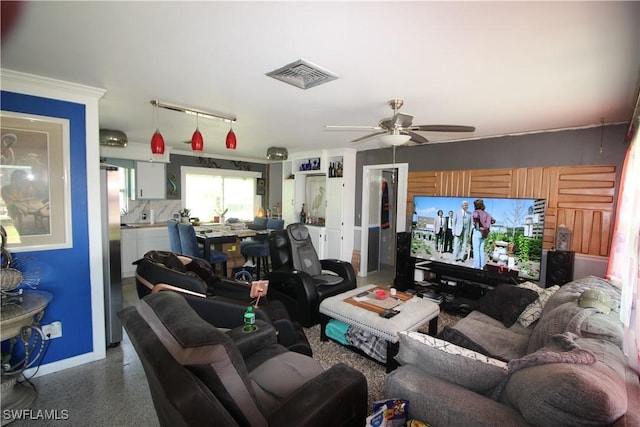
(65, 272)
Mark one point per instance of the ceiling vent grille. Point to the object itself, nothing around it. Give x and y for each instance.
(302, 74)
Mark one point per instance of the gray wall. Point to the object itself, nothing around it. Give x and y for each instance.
(562, 148)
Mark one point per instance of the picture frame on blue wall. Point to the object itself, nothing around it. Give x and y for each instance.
(35, 192)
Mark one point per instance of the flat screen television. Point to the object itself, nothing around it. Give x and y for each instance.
(513, 245)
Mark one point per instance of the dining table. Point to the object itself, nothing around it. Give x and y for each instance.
(216, 236)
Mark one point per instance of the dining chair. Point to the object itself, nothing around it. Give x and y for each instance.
(190, 246)
(174, 237)
(258, 249)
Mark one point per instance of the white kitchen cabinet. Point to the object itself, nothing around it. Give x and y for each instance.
(150, 180)
(135, 242)
(128, 251)
(152, 239)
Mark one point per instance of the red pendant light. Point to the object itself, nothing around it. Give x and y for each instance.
(157, 141)
(197, 142)
(231, 140)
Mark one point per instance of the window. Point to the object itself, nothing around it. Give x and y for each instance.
(209, 192)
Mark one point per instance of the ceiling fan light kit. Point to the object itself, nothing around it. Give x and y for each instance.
(394, 140)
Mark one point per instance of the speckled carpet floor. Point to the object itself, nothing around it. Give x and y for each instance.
(329, 353)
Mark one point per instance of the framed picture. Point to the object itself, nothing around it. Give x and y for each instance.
(35, 202)
(261, 189)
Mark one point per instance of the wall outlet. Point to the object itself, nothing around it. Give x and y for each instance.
(52, 330)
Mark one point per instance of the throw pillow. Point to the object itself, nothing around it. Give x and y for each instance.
(530, 285)
(532, 312)
(505, 303)
(450, 362)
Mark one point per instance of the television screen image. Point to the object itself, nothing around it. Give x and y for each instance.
(513, 243)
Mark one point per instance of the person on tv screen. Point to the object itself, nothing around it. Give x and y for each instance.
(482, 221)
(439, 229)
(448, 233)
(461, 231)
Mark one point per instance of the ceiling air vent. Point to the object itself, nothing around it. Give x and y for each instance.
(113, 138)
(277, 153)
(302, 74)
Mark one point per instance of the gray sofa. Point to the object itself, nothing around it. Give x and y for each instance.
(565, 368)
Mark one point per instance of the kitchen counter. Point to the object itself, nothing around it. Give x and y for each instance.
(143, 225)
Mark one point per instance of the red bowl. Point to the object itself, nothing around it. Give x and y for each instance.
(380, 294)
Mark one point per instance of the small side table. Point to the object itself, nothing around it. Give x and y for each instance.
(21, 315)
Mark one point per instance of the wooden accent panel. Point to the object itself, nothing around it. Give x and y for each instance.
(580, 197)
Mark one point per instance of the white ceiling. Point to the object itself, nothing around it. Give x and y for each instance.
(503, 67)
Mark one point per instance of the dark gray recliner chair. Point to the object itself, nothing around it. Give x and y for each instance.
(200, 375)
(218, 300)
(300, 279)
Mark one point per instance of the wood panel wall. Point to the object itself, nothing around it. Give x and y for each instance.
(580, 197)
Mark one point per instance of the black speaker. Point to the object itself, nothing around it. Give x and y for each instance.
(559, 267)
(405, 263)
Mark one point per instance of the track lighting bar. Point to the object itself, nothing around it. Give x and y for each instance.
(221, 116)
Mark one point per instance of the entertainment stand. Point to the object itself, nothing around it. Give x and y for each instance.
(461, 284)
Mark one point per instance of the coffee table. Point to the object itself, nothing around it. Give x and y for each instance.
(414, 312)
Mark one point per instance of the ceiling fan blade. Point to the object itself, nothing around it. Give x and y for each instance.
(397, 120)
(346, 127)
(443, 128)
(371, 135)
(418, 139)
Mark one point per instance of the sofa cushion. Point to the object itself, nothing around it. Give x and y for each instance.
(505, 303)
(572, 291)
(450, 362)
(533, 311)
(571, 394)
(498, 341)
(269, 388)
(570, 317)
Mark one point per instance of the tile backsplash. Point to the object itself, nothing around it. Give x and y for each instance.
(163, 210)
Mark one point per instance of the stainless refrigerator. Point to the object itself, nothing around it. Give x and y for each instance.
(110, 201)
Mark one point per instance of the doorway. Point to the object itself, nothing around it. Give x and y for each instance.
(377, 243)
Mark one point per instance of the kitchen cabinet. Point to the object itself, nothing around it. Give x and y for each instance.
(137, 241)
(150, 180)
(128, 251)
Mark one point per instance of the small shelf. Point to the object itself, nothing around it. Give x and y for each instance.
(310, 164)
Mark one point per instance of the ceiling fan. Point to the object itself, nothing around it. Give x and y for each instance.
(398, 129)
